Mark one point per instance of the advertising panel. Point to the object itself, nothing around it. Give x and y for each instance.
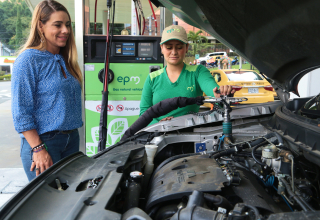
(121, 114)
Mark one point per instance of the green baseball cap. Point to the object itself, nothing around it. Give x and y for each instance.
(174, 32)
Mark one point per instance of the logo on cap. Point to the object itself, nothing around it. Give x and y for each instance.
(169, 31)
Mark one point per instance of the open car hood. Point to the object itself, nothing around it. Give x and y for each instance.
(280, 38)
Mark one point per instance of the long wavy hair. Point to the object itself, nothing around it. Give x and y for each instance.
(42, 13)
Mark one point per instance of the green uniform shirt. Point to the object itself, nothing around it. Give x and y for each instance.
(192, 82)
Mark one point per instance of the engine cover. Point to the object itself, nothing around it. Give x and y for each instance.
(180, 177)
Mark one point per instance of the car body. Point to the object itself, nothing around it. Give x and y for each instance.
(209, 55)
(215, 59)
(247, 83)
(207, 165)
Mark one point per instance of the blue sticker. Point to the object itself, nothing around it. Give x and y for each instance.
(200, 147)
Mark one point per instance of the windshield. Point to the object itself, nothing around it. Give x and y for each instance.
(243, 76)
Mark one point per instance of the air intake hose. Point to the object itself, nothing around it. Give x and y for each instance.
(159, 109)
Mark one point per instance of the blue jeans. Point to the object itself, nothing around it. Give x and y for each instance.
(59, 146)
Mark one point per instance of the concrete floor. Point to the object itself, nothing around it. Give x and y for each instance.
(12, 180)
(9, 138)
(12, 176)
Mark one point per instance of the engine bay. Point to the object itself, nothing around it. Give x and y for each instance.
(254, 167)
(251, 178)
(245, 171)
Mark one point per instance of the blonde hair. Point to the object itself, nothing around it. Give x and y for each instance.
(42, 13)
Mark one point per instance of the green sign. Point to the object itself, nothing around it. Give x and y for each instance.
(124, 100)
(121, 114)
(197, 56)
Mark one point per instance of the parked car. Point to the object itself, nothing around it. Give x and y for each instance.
(258, 161)
(209, 55)
(247, 83)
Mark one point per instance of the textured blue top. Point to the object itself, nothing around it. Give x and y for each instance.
(42, 98)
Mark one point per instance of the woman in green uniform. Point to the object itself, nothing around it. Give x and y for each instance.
(177, 78)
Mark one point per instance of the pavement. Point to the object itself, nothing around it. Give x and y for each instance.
(9, 138)
(12, 176)
(12, 180)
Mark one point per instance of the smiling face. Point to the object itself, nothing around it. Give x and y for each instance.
(174, 52)
(56, 31)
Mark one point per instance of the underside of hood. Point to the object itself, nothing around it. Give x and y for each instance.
(280, 38)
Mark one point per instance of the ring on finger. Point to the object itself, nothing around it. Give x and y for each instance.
(37, 169)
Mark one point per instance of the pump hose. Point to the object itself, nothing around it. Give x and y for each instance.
(159, 109)
(226, 152)
(267, 136)
(254, 156)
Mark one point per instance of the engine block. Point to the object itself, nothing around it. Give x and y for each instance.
(180, 177)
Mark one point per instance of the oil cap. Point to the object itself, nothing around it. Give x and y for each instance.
(136, 175)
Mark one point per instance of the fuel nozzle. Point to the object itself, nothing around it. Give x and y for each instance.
(109, 3)
(224, 101)
(226, 124)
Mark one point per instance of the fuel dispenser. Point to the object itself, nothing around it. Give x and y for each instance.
(132, 59)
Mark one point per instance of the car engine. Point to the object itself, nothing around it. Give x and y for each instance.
(245, 171)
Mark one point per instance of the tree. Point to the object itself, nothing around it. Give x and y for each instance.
(10, 26)
(18, 27)
(197, 39)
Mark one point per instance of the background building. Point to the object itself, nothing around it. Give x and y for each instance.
(5, 51)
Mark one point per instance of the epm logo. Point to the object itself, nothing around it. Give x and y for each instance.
(127, 79)
(191, 88)
(173, 29)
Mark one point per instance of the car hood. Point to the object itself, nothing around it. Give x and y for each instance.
(280, 38)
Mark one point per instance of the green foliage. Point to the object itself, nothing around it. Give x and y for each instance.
(14, 31)
(196, 37)
(204, 48)
(6, 77)
(197, 40)
(18, 27)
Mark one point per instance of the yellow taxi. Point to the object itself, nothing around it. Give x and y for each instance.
(247, 83)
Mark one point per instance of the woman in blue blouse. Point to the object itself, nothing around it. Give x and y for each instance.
(46, 90)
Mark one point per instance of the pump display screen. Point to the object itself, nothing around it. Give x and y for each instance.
(145, 50)
(124, 49)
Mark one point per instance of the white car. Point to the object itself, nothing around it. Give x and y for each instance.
(208, 55)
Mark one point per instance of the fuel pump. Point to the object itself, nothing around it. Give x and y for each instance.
(132, 58)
